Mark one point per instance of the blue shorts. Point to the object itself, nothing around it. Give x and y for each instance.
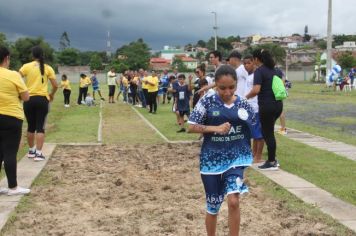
(217, 186)
(257, 129)
(96, 89)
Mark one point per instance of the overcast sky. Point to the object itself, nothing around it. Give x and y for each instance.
(169, 22)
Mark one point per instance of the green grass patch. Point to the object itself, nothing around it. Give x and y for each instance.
(121, 124)
(165, 120)
(318, 110)
(73, 124)
(294, 205)
(326, 170)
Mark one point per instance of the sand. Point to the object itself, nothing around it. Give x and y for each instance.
(141, 190)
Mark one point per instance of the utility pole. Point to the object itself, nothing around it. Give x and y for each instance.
(215, 29)
(329, 40)
(108, 46)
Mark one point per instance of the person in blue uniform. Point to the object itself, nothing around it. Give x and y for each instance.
(182, 97)
(226, 122)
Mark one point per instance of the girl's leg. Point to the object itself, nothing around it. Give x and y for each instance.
(233, 202)
(210, 224)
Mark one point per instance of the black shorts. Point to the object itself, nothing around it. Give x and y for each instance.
(111, 90)
(182, 113)
(36, 110)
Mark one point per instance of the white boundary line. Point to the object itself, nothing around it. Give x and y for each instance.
(100, 127)
(150, 125)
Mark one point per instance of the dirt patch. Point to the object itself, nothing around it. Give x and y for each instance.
(141, 190)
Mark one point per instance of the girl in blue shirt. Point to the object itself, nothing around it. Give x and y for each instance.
(226, 122)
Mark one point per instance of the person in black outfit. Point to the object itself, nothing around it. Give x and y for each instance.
(269, 108)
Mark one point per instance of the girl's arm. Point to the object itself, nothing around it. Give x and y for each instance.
(203, 129)
(254, 91)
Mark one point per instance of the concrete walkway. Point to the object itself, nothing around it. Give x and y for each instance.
(27, 171)
(339, 148)
(341, 211)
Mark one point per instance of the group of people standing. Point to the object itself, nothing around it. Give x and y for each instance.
(29, 85)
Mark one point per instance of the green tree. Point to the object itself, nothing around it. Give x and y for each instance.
(64, 41)
(24, 47)
(340, 39)
(69, 57)
(136, 54)
(96, 62)
(179, 65)
(346, 60)
(201, 43)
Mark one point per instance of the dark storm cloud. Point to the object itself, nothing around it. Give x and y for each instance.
(166, 22)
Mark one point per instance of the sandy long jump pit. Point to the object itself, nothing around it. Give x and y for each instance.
(141, 190)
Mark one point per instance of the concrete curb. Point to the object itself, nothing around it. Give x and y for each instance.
(341, 211)
(27, 171)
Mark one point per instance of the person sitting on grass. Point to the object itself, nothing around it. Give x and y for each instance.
(89, 101)
(182, 97)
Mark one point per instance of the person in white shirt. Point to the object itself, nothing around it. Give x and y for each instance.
(111, 77)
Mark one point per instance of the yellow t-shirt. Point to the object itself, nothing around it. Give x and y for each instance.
(65, 84)
(144, 85)
(154, 80)
(83, 83)
(37, 85)
(125, 82)
(11, 85)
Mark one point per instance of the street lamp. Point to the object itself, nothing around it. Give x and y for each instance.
(215, 29)
(329, 41)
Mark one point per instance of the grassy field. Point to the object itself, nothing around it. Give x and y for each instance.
(122, 125)
(318, 110)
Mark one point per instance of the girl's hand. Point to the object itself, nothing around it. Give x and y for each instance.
(223, 128)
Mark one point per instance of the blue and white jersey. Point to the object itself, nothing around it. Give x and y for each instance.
(94, 81)
(219, 153)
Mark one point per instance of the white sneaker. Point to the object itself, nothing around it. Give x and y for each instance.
(3, 190)
(18, 191)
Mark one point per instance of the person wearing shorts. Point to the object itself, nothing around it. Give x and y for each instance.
(182, 97)
(95, 84)
(36, 75)
(226, 122)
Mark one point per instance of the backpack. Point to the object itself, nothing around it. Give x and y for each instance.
(278, 88)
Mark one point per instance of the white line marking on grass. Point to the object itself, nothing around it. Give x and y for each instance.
(150, 125)
(162, 135)
(100, 137)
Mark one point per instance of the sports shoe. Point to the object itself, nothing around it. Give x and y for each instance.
(39, 157)
(18, 191)
(31, 154)
(282, 131)
(277, 163)
(181, 130)
(3, 190)
(269, 166)
(102, 99)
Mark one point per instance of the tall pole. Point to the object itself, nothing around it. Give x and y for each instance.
(215, 29)
(329, 39)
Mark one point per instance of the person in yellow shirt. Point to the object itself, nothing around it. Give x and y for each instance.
(12, 91)
(84, 83)
(152, 89)
(125, 86)
(65, 85)
(36, 75)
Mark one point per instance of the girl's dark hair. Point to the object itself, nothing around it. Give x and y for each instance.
(201, 67)
(225, 70)
(82, 75)
(37, 53)
(172, 77)
(265, 57)
(4, 52)
(181, 76)
(64, 76)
